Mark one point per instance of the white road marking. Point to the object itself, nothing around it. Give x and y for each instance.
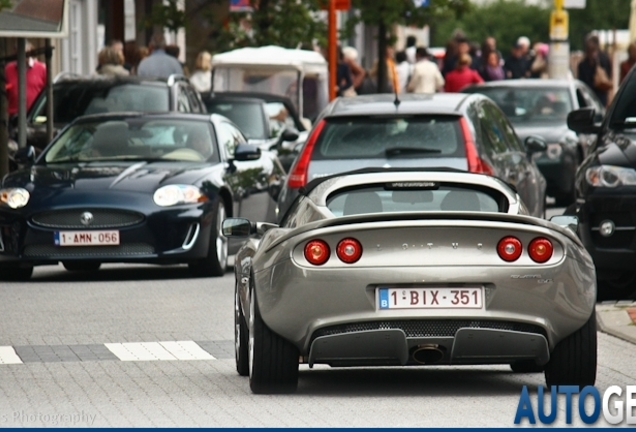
(8, 356)
(186, 350)
(139, 351)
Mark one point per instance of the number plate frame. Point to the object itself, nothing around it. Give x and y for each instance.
(430, 298)
(86, 238)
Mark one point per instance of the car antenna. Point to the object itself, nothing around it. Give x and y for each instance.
(396, 101)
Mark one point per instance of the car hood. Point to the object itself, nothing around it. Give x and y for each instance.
(550, 132)
(103, 176)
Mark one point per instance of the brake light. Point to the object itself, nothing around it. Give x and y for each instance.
(317, 252)
(540, 249)
(475, 163)
(509, 248)
(298, 173)
(349, 250)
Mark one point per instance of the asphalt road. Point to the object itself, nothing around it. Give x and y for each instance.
(61, 325)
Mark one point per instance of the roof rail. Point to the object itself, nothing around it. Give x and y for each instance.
(177, 77)
(63, 75)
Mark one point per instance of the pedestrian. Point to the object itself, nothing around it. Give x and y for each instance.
(539, 65)
(595, 69)
(362, 82)
(517, 64)
(174, 51)
(461, 46)
(35, 80)
(201, 79)
(110, 62)
(462, 75)
(392, 84)
(344, 82)
(158, 63)
(411, 49)
(403, 68)
(491, 69)
(426, 76)
(131, 56)
(627, 65)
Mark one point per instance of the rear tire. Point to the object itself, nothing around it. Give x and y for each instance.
(81, 266)
(241, 338)
(215, 263)
(573, 360)
(273, 360)
(526, 366)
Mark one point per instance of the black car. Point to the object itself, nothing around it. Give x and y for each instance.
(467, 132)
(606, 191)
(267, 120)
(146, 188)
(540, 107)
(75, 96)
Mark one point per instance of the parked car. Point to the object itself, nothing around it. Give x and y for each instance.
(467, 132)
(268, 121)
(75, 96)
(405, 268)
(540, 107)
(150, 188)
(606, 185)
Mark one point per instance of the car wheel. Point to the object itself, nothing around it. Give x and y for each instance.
(573, 360)
(16, 272)
(216, 261)
(241, 340)
(273, 361)
(526, 366)
(86, 266)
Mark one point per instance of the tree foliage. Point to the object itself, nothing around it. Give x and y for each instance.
(167, 16)
(597, 15)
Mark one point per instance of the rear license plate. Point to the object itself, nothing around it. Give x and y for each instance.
(86, 238)
(431, 298)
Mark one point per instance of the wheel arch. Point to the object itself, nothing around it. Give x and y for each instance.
(226, 196)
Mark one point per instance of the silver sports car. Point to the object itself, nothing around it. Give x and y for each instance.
(405, 268)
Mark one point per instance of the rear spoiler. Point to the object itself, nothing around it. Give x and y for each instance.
(419, 216)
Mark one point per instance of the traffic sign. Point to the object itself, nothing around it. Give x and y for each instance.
(421, 3)
(559, 25)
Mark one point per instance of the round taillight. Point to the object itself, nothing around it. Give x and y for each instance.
(509, 248)
(540, 249)
(349, 250)
(317, 252)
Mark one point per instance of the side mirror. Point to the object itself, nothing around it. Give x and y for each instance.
(25, 155)
(582, 121)
(289, 135)
(237, 227)
(571, 222)
(247, 152)
(535, 144)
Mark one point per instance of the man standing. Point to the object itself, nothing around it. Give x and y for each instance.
(517, 65)
(35, 81)
(595, 69)
(426, 77)
(158, 63)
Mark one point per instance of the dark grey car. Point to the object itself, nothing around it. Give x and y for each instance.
(465, 132)
(540, 107)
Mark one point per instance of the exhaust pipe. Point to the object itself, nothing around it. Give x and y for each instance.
(427, 353)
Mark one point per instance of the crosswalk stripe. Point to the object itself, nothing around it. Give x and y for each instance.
(186, 350)
(8, 356)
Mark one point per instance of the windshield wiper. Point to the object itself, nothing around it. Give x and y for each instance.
(399, 151)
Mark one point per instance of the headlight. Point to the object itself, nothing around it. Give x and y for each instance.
(554, 150)
(610, 176)
(178, 194)
(14, 197)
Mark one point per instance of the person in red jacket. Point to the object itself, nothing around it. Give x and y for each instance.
(462, 75)
(35, 81)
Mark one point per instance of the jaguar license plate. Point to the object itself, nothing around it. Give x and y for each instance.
(431, 298)
(86, 238)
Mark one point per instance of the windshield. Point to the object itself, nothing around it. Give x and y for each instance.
(401, 197)
(135, 139)
(381, 137)
(248, 116)
(624, 112)
(530, 105)
(77, 99)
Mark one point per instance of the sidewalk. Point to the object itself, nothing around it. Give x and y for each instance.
(617, 318)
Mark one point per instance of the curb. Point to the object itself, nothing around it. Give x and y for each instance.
(608, 324)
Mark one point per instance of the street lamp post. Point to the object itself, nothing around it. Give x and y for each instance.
(559, 57)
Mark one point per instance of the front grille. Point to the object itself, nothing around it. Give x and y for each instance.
(102, 218)
(428, 328)
(59, 252)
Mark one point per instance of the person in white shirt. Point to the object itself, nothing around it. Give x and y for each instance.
(403, 68)
(426, 77)
(201, 79)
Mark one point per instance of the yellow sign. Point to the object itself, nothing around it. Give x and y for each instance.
(559, 24)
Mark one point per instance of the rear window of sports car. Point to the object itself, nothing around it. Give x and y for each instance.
(413, 197)
(380, 137)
